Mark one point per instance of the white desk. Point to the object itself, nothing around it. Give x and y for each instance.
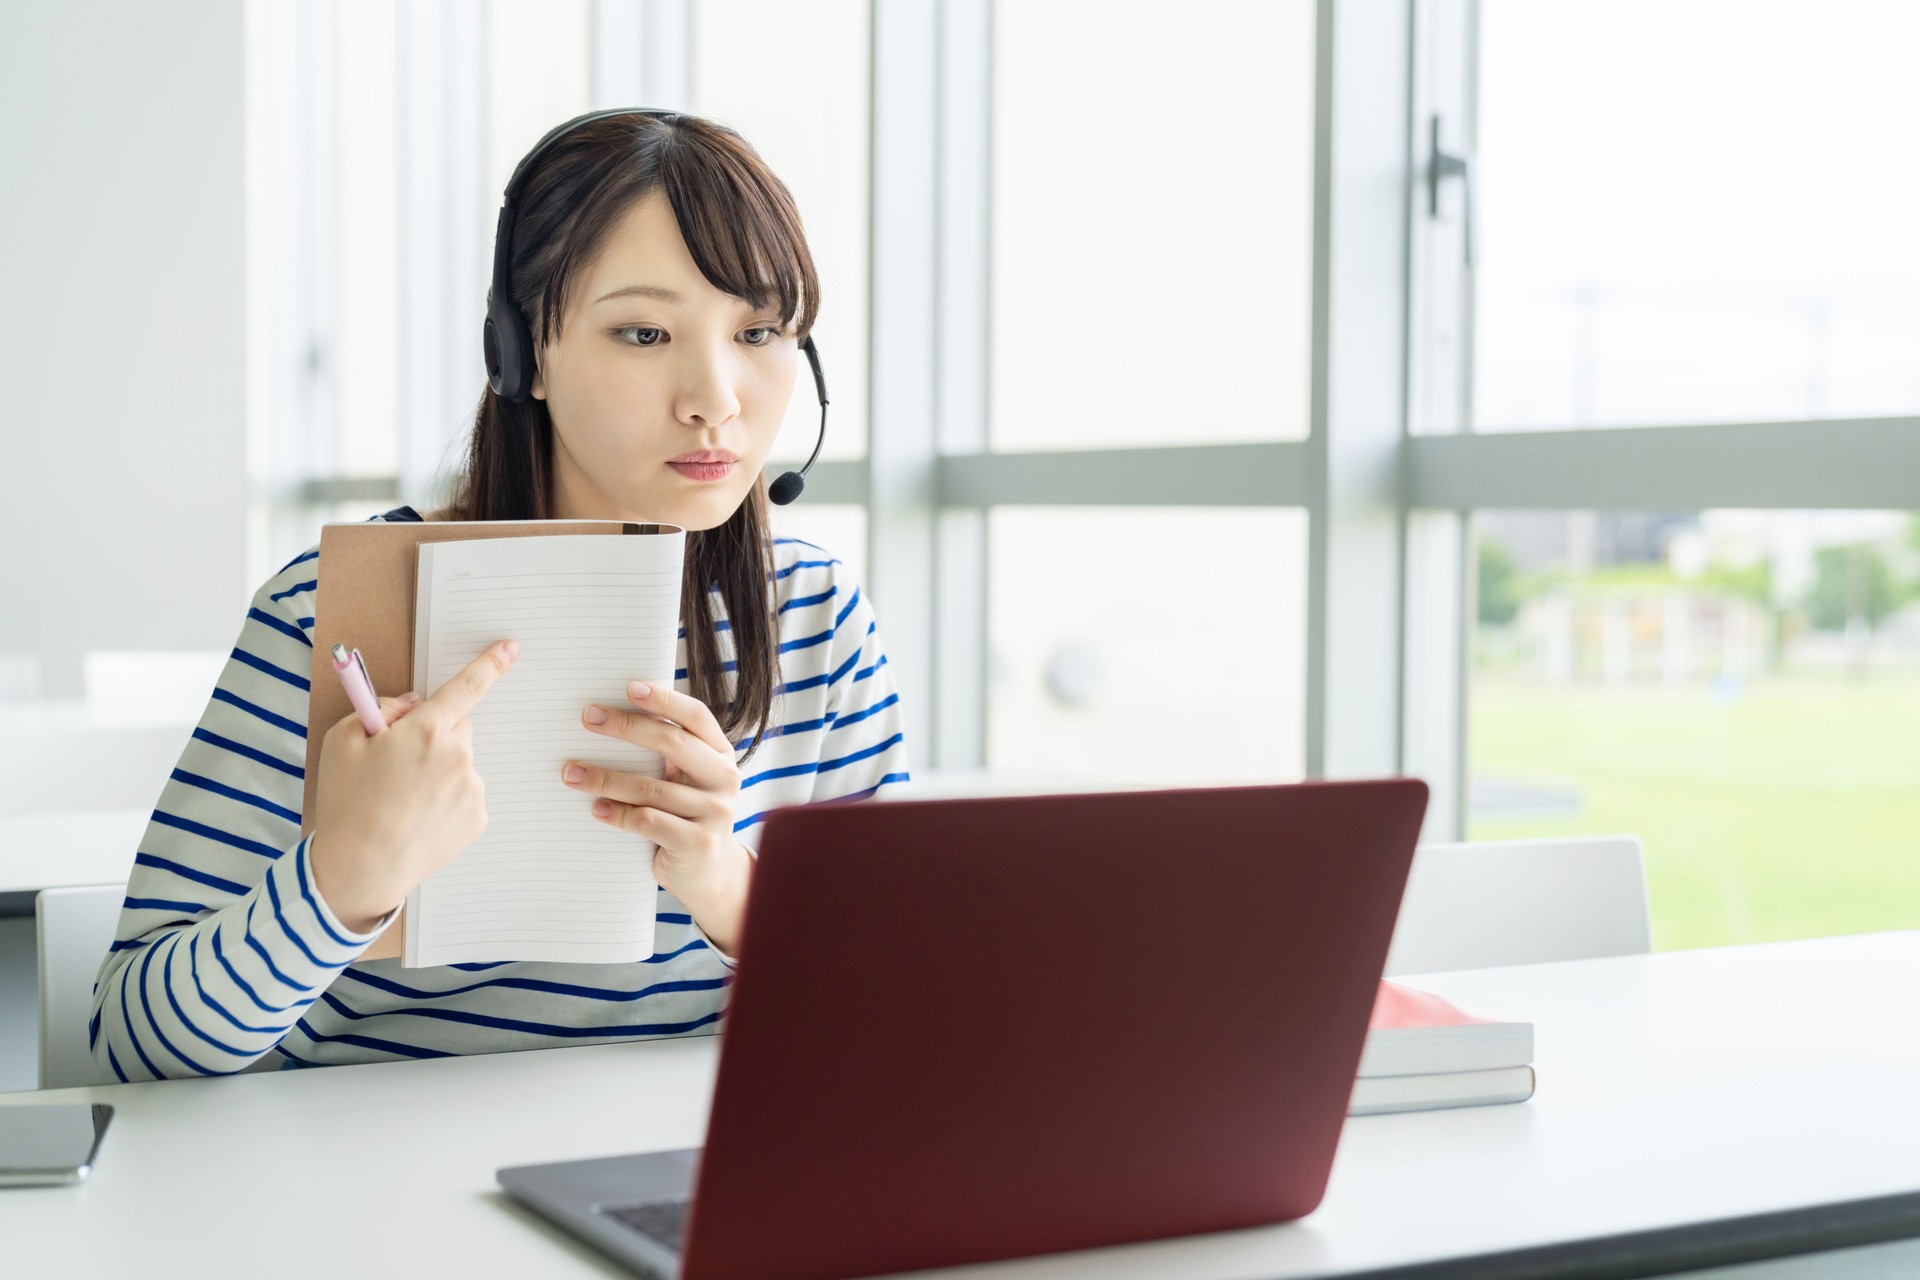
(1674, 1089)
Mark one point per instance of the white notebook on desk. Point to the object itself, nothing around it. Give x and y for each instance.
(545, 880)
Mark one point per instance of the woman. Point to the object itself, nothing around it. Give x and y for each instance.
(666, 285)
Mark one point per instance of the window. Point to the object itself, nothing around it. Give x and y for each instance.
(1695, 213)
(1341, 493)
(1150, 646)
(1697, 631)
(1149, 257)
(791, 76)
(404, 126)
(838, 528)
(1152, 221)
(1735, 688)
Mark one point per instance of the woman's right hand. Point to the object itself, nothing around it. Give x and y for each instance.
(396, 807)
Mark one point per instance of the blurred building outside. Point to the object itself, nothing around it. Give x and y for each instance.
(1720, 597)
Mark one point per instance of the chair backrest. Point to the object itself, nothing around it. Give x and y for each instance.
(1500, 902)
(75, 927)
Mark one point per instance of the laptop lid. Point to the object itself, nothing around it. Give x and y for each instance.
(984, 1028)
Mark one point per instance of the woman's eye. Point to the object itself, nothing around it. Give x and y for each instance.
(767, 334)
(648, 335)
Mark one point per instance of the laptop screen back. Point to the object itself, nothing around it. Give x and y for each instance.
(986, 1028)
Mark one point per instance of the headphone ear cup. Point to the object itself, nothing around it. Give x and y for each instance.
(490, 348)
(508, 349)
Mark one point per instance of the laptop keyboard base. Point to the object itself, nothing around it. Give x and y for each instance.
(662, 1221)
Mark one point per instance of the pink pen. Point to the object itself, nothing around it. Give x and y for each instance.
(352, 670)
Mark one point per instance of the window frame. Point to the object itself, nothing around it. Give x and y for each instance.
(1452, 472)
(1388, 501)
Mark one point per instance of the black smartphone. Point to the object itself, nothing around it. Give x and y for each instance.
(47, 1143)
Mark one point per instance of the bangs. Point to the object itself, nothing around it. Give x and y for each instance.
(739, 222)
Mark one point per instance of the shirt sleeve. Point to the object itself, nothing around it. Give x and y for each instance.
(223, 941)
(864, 748)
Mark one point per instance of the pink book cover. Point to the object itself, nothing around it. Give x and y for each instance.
(1414, 1032)
(1397, 1007)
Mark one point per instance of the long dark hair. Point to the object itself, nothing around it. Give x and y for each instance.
(744, 233)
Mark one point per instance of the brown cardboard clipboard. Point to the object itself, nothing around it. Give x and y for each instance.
(364, 600)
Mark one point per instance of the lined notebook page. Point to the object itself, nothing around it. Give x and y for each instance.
(546, 880)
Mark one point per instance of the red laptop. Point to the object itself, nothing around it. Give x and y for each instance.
(973, 1029)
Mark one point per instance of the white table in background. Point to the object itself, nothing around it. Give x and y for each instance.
(1675, 1090)
(79, 776)
(52, 850)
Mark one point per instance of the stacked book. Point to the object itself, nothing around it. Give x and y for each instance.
(1424, 1052)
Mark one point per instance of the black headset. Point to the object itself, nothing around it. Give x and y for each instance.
(509, 346)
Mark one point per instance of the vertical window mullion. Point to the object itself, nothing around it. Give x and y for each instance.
(1438, 600)
(902, 345)
(1356, 569)
(964, 211)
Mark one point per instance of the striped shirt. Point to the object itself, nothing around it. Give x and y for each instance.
(226, 959)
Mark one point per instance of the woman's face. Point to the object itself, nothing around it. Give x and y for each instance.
(656, 374)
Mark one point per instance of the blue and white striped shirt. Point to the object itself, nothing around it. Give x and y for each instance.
(227, 959)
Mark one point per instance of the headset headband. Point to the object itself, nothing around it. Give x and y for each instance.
(503, 229)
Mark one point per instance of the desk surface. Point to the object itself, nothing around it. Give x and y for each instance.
(1673, 1089)
(45, 849)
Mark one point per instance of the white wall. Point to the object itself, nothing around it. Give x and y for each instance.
(122, 253)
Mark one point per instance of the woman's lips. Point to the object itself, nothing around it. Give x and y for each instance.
(703, 471)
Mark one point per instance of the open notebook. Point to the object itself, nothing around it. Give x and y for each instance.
(545, 880)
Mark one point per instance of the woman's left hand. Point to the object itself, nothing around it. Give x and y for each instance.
(688, 813)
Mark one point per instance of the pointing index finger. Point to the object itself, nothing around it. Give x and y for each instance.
(459, 695)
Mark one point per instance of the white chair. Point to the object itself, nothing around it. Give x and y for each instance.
(1500, 902)
(74, 926)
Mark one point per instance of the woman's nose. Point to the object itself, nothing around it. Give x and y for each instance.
(709, 388)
